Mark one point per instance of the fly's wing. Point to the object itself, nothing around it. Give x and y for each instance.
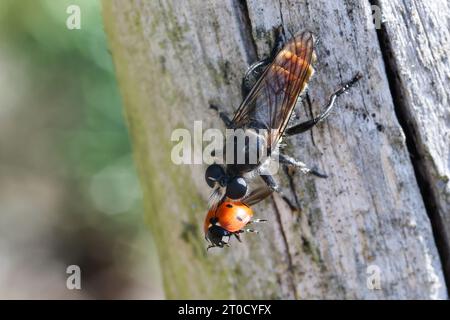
(257, 195)
(258, 190)
(272, 99)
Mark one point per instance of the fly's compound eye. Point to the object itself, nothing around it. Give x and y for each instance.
(214, 173)
(236, 188)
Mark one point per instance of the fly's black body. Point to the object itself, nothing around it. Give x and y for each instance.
(263, 117)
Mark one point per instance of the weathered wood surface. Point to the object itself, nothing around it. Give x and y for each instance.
(175, 57)
(416, 37)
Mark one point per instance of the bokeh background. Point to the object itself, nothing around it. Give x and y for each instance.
(69, 193)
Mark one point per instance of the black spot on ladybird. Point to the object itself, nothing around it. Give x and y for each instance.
(229, 206)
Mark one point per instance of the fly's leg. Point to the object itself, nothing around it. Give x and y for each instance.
(271, 183)
(289, 161)
(307, 125)
(223, 115)
(252, 75)
(255, 71)
(274, 186)
(280, 40)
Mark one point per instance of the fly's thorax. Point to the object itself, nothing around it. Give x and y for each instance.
(245, 149)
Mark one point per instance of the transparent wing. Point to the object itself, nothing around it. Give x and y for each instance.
(271, 101)
(257, 195)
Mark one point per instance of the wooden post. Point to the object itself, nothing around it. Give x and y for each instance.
(368, 221)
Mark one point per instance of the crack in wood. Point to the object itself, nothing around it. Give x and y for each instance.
(246, 30)
(292, 187)
(416, 150)
(250, 45)
(288, 252)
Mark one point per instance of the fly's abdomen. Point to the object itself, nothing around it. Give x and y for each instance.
(245, 149)
(292, 64)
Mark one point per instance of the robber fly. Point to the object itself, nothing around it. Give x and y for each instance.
(271, 88)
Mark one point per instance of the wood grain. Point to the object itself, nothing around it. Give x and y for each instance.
(173, 58)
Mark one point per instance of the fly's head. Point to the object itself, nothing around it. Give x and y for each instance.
(233, 187)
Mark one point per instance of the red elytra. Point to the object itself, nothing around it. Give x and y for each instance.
(232, 216)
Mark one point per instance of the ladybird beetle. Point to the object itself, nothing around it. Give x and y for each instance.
(229, 218)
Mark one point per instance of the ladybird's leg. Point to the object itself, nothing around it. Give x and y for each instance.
(236, 234)
(250, 230)
(289, 161)
(257, 221)
(307, 125)
(223, 244)
(223, 115)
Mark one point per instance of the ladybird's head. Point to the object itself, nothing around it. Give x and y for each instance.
(216, 235)
(235, 186)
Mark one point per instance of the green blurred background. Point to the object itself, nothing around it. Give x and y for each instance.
(69, 193)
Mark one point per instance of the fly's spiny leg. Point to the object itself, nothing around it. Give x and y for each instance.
(307, 125)
(272, 184)
(252, 75)
(348, 85)
(280, 40)
(223, 115)
(255, 70)
(298, 164)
